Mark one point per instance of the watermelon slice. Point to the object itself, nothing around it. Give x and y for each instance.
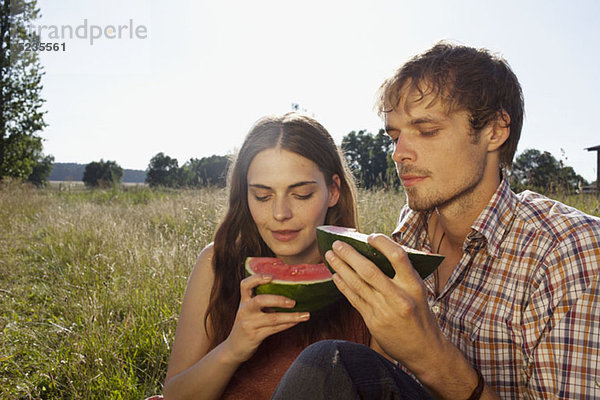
(425, 263)
(311, 285)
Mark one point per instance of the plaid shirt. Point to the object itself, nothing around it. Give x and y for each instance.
(523, 303)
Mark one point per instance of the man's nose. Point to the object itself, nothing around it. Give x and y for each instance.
(403, 150)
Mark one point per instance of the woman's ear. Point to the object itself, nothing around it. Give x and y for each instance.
(500, 131)
(334, 190)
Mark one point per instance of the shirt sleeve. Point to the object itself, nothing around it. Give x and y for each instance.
(562, 324)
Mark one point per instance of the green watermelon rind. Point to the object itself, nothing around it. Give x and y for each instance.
(424, 263)
(308, 296)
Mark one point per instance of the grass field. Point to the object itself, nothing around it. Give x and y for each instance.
(91, 283)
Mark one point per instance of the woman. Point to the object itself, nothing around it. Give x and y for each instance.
(287, 179)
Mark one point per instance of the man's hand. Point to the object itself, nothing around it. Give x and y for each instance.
(395, 310)
(397, 314)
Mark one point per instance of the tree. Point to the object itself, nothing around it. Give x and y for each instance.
(41, 171)
(369, 157)
(381, 156)
(393, 180)
(540, 170)
(207, 171)
(213, 171)
(21, 117)
(102, 174)
(163, 171)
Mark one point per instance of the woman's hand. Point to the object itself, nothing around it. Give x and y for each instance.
(253, 321)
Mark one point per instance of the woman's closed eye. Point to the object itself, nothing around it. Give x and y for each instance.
(301, 196)
(261, 197)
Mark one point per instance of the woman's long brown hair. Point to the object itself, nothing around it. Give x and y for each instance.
(237, 237)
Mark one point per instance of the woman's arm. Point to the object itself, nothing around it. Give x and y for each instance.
(193, 371)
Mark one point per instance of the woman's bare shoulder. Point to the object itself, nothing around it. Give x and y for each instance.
(203, 272)
(191, 338)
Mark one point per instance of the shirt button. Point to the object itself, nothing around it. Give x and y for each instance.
(435, 308)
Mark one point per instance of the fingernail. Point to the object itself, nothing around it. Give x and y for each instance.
(337, 245)
(329, 255)
(305, 316)
(267, 277)
(289, 302)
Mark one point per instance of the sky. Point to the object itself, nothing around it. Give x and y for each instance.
(189, 78)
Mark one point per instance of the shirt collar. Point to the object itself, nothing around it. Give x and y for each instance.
(412, 229)
(492, 224)
(496, 219)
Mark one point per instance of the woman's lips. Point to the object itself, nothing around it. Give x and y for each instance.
(285, 235)
(410, 180)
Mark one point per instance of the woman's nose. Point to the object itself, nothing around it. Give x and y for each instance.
(281, 210)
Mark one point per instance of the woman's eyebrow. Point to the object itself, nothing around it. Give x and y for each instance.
(293, 185)
(302, 183)
(258, 186)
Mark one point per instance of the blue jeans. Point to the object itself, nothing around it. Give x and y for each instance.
(336, 369)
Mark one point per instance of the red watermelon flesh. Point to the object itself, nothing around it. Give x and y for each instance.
(281, 271)
(310, 285)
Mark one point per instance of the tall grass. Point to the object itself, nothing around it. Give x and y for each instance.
(91, 283)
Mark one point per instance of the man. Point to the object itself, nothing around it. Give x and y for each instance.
(513, 311)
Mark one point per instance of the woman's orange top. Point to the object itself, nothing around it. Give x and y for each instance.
(258, 377)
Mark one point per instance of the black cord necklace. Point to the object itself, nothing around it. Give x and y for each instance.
(440, 242)
(436, 274)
